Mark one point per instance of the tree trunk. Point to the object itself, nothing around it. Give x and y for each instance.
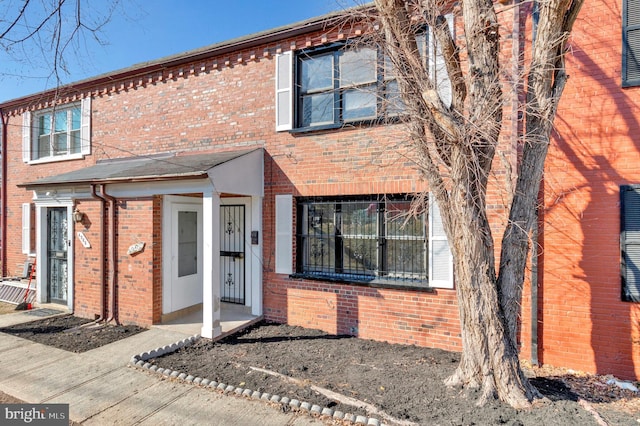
(456, 144)
(490, 354)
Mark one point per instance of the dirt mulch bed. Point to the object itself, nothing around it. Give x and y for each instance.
(405, 382)
(64, 332)
(401, 382)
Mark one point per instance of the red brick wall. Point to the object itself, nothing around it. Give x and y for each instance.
(139, 276)
(408, 317)
(136, 289)
(584, 324)
(87, 262)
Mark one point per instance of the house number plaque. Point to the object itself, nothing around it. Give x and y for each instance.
(83, 239)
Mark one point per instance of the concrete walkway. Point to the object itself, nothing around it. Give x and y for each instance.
(101, 389)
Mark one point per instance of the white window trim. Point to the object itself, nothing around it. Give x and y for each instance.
(29, 133)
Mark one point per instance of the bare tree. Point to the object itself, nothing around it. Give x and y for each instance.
(43, 34)
(457, 140)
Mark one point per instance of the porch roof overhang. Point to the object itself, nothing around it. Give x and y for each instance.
(167, 167)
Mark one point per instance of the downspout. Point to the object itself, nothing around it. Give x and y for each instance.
(112, 253)
(102, 252)
(3, 195)
(537, 236)
(535, 253)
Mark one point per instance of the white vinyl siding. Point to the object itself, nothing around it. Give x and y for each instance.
(284, 234)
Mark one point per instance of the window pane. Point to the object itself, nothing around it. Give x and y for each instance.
(358, 66)
(44, 124)
(394, 104)
(406, 258)
(400, 223)
(60, 121)
(75, 142)
(44, 146)
(360, 255)
(317, 73)
(319, 244)
(359, 103)
(360, 219)
(317, 109)
(187, 243)
(389, 69)
(60, 144)
(75, 119)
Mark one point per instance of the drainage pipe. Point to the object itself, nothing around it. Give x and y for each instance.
(3, 194)
(102, 252)
(113, 251)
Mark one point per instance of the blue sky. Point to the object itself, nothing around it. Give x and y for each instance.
(143, 30)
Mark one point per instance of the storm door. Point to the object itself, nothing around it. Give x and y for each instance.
(232, 266)
(186, 279)
(57, 245)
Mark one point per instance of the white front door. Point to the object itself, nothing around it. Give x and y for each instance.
(183, 279)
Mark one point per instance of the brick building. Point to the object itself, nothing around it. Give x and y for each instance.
(235, 174)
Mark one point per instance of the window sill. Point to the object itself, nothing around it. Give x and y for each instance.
(373, 282)
(56, 159)
(395, 119)
(310, 129)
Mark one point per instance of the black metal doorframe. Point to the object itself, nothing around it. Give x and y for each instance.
(232, 247)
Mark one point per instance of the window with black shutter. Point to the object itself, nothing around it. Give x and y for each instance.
(630, 242)
(631, 43)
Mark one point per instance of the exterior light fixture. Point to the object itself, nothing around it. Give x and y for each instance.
(77, 215)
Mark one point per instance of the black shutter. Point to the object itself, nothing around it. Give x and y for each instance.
(631, 43)
(630, 242)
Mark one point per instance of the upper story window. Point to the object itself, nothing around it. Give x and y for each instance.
(58, 133)
(338, 86)
(345, 83)
(631, 43)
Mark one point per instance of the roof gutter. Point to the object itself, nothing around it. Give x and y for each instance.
(34, 185)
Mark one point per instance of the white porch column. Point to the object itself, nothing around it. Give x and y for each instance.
(211, 265)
